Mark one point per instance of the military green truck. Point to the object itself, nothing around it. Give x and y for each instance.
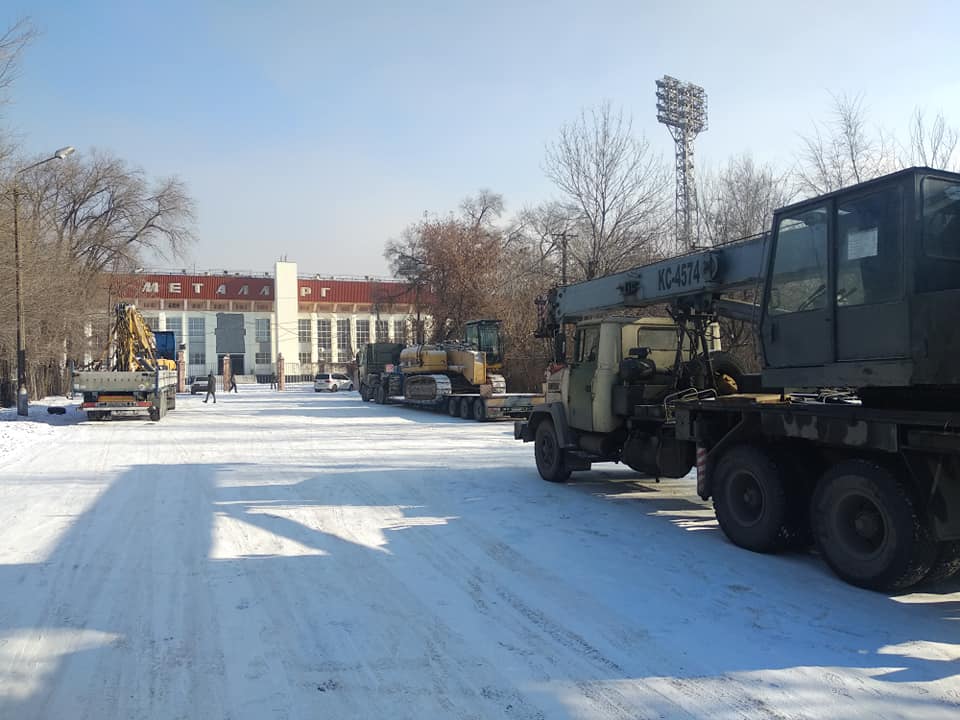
(849, 435)
(373, 360)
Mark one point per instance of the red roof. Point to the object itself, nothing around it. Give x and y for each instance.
(233, 287)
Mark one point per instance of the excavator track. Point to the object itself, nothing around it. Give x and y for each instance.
(498, 382)
(426, 389)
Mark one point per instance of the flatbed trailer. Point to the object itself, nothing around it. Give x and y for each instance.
(109, 393)
(477, 406)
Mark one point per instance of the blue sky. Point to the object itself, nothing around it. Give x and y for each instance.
(319, 130)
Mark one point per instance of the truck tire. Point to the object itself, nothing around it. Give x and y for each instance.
(172, 405)
(946, 564)
(549, 454)
(364, 393)
(381, 396)
(453, 406)
(750, 498)
(155, 414)
(866, 527)
(479, 410)
(466, 411)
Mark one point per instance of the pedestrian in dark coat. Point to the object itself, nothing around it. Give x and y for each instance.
(211, 388)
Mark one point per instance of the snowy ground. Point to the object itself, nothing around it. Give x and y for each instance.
(299, 555)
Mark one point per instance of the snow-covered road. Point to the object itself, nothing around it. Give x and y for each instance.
(296, 555)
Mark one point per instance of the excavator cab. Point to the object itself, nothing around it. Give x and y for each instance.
(863, 284)
(484, 335)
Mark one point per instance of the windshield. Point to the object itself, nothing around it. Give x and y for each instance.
(941, 219)
(938, 268)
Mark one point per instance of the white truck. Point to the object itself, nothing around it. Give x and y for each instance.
(142, 377)
(108, 393)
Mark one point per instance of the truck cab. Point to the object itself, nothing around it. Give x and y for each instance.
(862, 288)
(618, 362)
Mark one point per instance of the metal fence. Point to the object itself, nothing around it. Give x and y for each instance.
(43, 379)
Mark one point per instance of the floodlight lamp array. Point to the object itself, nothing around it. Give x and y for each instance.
(681, 105)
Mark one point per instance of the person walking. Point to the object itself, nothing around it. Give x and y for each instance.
(233, 383)
(211, 387)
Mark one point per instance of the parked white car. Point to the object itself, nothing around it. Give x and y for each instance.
(331, 382)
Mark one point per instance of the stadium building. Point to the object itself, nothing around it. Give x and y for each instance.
(313, 322)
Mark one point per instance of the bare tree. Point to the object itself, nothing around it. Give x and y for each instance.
(79, 221)
(932, 143)
(450, 263)
(615, 188)
(13, 41)
(103, 214)
(842, 151)
(739, 200)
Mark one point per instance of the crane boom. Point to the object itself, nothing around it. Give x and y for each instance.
(710, 272)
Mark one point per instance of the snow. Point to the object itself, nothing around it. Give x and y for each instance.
(301, 555)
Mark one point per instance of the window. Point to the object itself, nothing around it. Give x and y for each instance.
(588, 343)
(344, 346)
(262, 358)
(400, 331)
(938, 269)
(305, 358)
(152, 321)
(197, 340)
(176, 325)
(941, 219)
(324, 345)
(303, 330)
(799, 281)
(363, 332)
(383, 330)
(868, 249)
(263, 329)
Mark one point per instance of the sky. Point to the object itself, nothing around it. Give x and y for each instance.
(317, 131)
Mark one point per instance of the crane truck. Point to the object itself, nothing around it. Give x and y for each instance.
(461, 378)
(140, 377)
(849, 436)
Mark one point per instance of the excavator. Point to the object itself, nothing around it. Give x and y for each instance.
(462, 378)
(849, 435)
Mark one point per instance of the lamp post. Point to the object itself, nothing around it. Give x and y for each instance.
(22, 396)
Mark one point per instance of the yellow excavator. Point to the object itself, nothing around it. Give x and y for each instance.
(438, 370)
(136, 345)
(461, 377)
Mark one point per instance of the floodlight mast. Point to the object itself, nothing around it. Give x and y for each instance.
(682, 107)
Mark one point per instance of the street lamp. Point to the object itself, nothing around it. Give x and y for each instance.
(22, 397)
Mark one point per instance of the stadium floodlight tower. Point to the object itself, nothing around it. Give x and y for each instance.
(682, 107)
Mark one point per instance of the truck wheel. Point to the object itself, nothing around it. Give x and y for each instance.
(381, 396)
(172, 405)
(466, 408)
(549, 454)
(946, 564)
(155, 414)
(364, 393)
(750, 500)
(453, 407)
(479, 410)
(867, 529)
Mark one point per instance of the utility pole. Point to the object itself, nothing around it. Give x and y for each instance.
(563, 237)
